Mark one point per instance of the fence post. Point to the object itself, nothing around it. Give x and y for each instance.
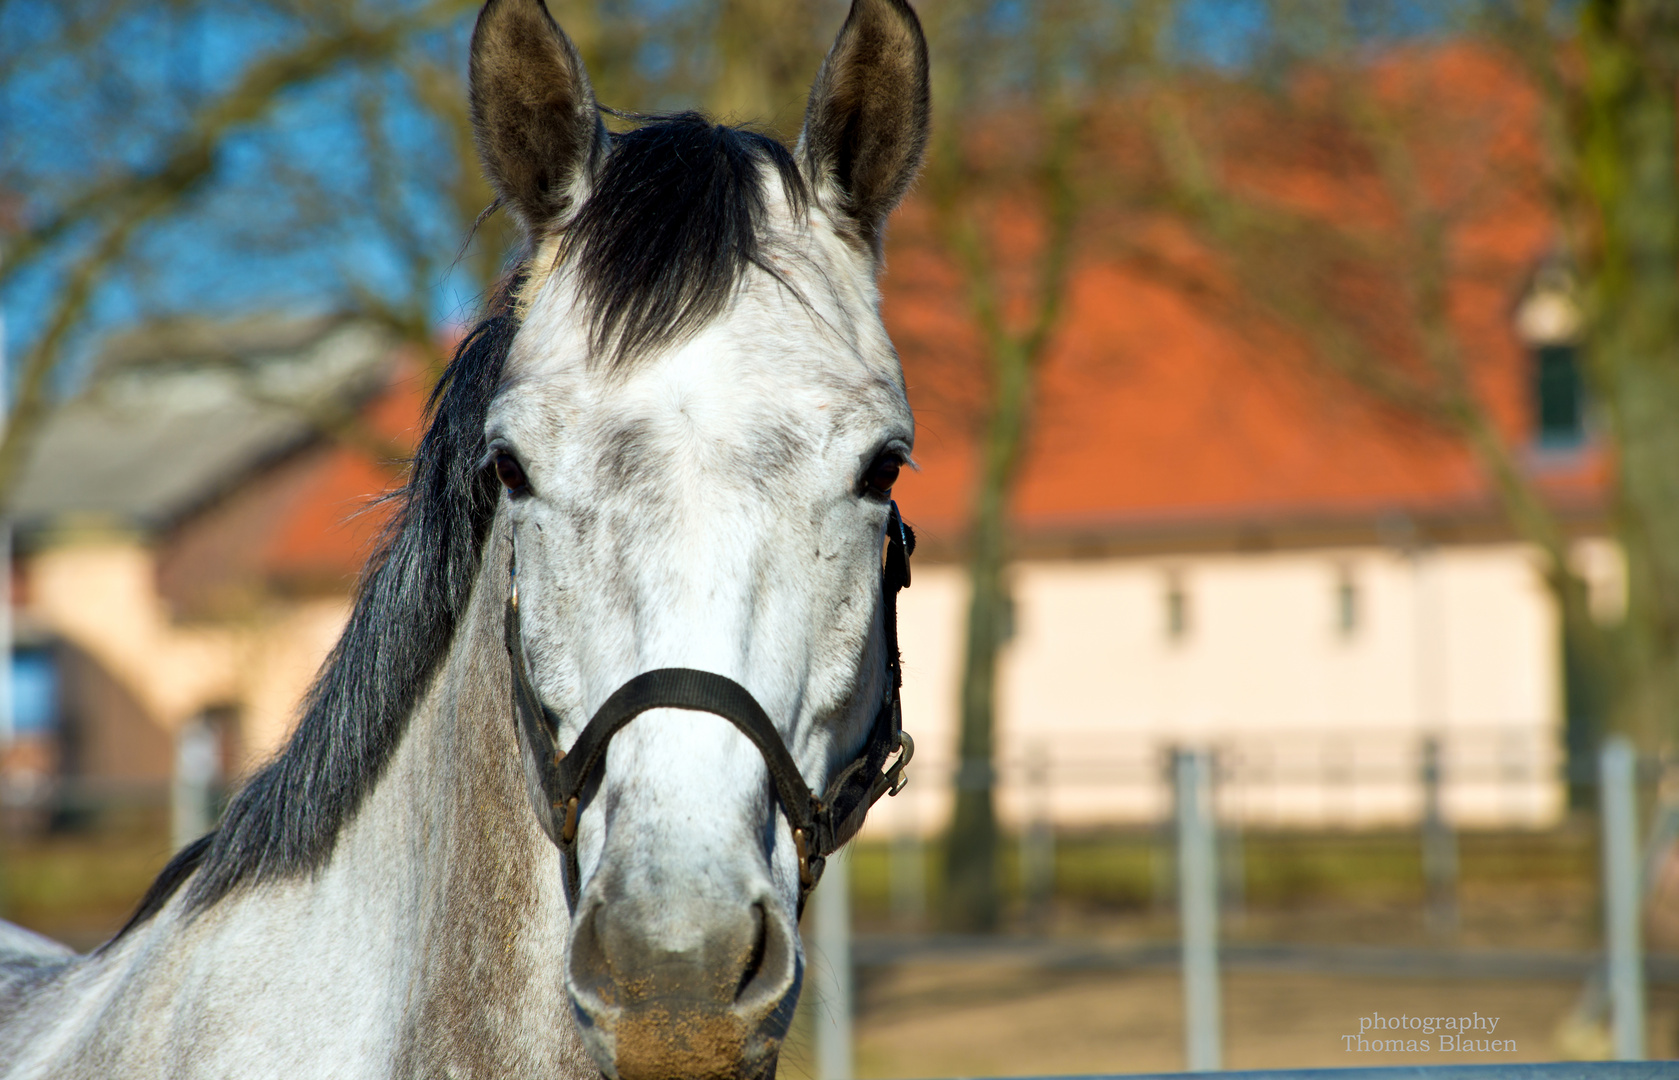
(1618, 799)
(189, 794)
(833, 944)
(1037, 840)
(1198, 908)
(1439, 845)
(1163, 850)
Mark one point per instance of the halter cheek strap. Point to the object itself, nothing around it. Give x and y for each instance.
(819, 825)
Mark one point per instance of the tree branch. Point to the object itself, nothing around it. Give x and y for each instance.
(192, 156)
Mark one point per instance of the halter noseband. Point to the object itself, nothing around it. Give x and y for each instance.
(820, 825)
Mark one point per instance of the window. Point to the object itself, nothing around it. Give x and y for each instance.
(1548, 321)
(1558, 397)
(1177, 609)
(1346, 603)
(34, 692)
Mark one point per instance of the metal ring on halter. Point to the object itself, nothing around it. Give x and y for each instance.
(896, 773)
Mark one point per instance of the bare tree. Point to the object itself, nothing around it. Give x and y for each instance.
(1603, 167)
(1014, 100)
(1624, 204)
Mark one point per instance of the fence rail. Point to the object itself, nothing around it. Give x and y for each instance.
(1486, 777)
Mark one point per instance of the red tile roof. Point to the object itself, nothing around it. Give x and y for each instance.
(1162, 405)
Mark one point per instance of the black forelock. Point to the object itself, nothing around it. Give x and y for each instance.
(669, 227)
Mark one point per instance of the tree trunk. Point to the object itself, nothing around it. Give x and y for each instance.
(1631, 171)
(971, 869)
(767, 53)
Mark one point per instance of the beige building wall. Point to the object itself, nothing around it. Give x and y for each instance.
(99, 593)
(1316, 674)
(284, 653)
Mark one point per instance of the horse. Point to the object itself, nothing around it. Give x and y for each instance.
(623, 669)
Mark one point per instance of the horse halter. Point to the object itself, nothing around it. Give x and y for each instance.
(820, 825)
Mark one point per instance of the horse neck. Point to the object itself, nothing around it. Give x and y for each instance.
(440, 918)
(492, 919)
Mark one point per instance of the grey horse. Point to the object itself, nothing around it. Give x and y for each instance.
(680, 421)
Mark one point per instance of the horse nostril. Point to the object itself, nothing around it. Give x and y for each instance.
(755, 958)
(590, 969)
(769, 973)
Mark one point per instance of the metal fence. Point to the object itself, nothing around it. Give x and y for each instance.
(1494, 776)
(1194, 778)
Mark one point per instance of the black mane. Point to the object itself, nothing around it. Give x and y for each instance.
(670, 226)
(286, 819)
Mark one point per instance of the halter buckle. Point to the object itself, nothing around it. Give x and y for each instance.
(802, 847)
(896, 774)
(568, 831)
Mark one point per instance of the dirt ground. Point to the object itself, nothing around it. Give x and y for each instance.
(962, 1019)
(933, 1017)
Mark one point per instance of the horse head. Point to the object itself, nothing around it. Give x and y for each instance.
(696, 432)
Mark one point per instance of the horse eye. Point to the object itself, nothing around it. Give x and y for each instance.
(512, 477)
(882, 474)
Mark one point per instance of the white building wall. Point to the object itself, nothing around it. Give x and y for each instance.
(1319, 724)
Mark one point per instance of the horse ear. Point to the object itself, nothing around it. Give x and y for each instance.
(533, 112)
(866, 125)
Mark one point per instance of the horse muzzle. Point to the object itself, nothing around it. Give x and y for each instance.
(697, 990)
